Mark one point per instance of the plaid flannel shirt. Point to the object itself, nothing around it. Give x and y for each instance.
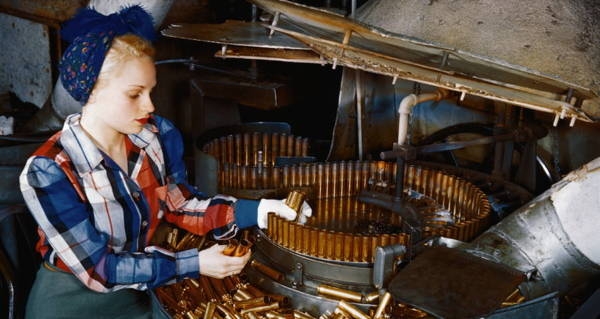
(96, 221)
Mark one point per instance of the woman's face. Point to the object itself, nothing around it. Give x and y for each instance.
(122, 101)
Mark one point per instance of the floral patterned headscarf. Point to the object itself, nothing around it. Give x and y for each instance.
(90, 34)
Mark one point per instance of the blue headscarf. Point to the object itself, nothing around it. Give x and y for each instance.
(91, 34)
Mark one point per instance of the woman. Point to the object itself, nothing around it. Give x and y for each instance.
(99, 188)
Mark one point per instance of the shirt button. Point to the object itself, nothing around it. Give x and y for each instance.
(144, 224)
(136, 195)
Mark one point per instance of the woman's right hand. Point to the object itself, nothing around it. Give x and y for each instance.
(214, 263)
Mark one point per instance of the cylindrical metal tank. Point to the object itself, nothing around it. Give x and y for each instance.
(553, 237)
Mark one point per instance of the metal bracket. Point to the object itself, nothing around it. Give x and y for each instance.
(298, 274)
(383, 267)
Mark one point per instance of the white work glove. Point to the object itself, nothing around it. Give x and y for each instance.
(213, 263)
(278, 207)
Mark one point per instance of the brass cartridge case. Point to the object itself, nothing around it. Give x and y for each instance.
(293, 228)
(286, 176)
(277, 315)
(371, 297)
(283, 150)
(253, 177)
(274, 148)
(256, 146)
(302, 315)
(247, 148)
(254, 291)
(290, 145)
(208, 289)
(285, 235)
(321, 244)
(266, 148)
(238, 149)
(279, 224)
(226, 311)
(276, 182)
(335, 186)
(305, 240)
(304, 151)
(252, 302)
(347, 247)
(230, 248)
(209, 312)
(242, 248)
(295, 199)
(357, 251)
(266, 270)
(219, 288)
(338, 249)
(194, 291)
(242, 294)
(168, 300)
(298, 146)
(366, 248)
(230, 149)
(339, 293)
(271, 306)
(313, 243)
(223, 149)
(383, 304)
(330, 245)
(271, 229)
(320, 180)
(352, 310)
(307, 177)
(229, 284)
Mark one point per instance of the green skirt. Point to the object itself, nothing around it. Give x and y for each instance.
(58, 294)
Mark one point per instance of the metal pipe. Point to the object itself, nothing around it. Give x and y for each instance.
(406, 105)
(359, 105)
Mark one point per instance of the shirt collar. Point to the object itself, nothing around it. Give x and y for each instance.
(84, 154)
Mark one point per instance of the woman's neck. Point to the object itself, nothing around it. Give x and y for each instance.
(106, 139)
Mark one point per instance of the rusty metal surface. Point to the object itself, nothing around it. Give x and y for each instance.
(232, 32)
(450, 283)
(365, 47)
(556, 37)
(282, 55)
(28, 75)
(49, 12)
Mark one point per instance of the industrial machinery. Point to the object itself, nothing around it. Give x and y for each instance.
(388, 224)
(444, 191)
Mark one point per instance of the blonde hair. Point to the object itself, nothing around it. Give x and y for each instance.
(123, 48)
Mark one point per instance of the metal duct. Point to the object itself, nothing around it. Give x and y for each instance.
(552, 237)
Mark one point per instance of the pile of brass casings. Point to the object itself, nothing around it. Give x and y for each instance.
(229, 298)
